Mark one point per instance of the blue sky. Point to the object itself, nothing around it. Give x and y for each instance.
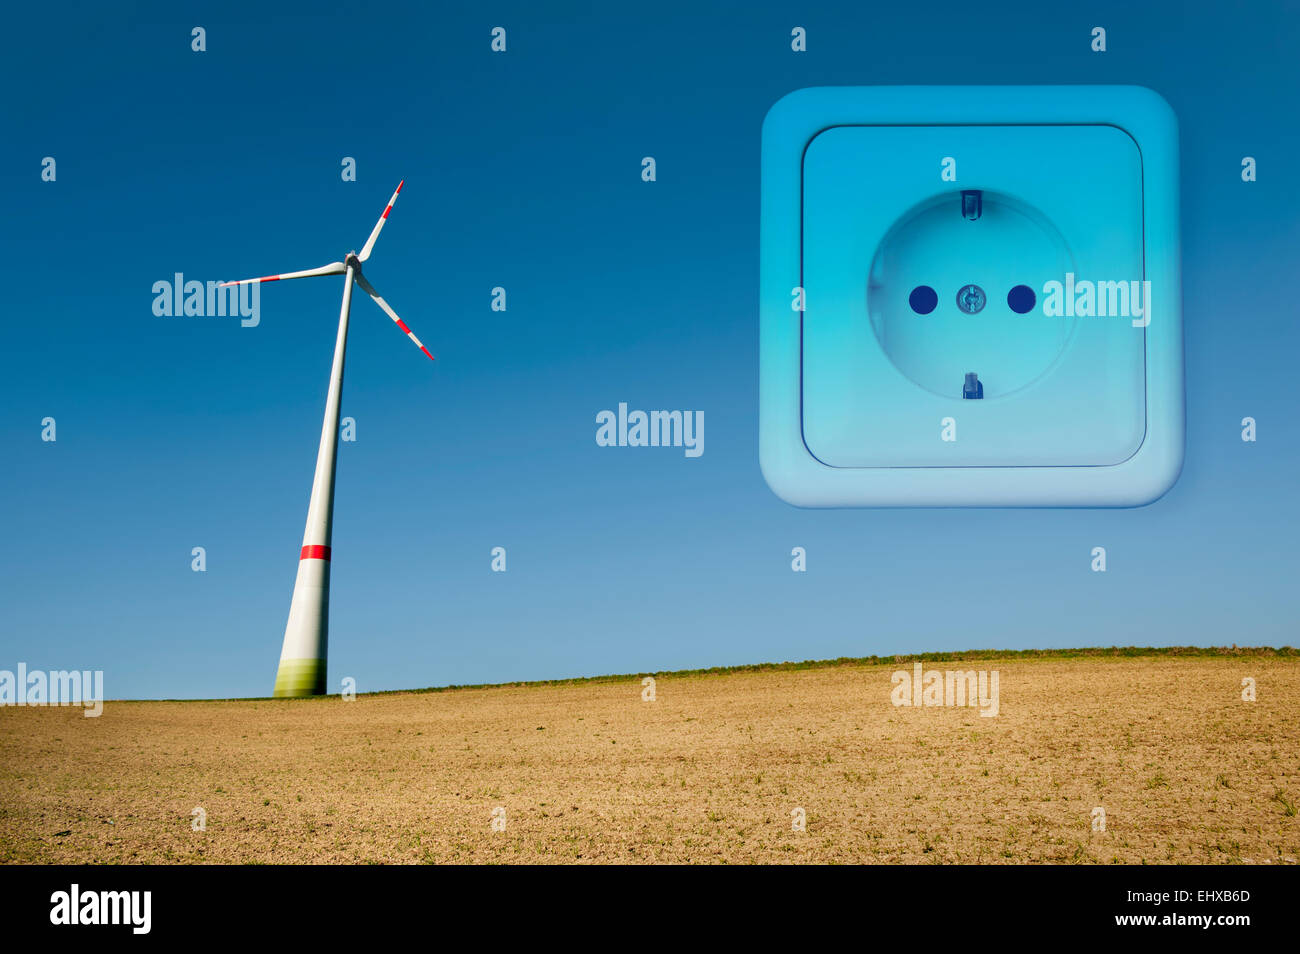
(523, 170)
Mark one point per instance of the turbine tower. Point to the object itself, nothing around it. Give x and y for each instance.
(303, 656)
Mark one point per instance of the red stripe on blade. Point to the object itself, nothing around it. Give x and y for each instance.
(315, 552)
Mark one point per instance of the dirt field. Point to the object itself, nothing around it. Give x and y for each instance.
(710, 771)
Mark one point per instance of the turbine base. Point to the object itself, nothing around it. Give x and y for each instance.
(297, 678)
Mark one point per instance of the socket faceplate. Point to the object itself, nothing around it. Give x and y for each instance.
(925, 226)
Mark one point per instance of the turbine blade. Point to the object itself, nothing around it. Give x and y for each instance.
(370, 290)
(333, 268)
(370, 242)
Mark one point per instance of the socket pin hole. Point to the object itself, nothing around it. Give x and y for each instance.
(1021, 299)
(923, 299)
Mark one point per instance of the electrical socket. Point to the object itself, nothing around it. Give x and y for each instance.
(929, 259)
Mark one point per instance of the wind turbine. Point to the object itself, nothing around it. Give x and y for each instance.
(303, 656)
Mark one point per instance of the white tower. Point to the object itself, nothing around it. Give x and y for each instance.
(306, 636)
